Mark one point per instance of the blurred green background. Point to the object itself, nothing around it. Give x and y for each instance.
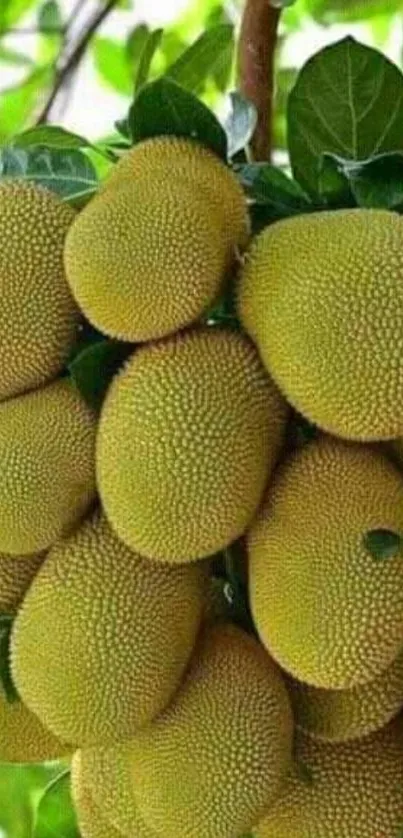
(35, 36)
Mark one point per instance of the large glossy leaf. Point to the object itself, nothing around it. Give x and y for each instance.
(164, 107)
(209, 57)
(55, 817)
(348, 100)
(69, 173)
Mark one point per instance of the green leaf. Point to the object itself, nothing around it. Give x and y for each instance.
(147, 54)
(164, 107)
(333, 11)
(51, 136)
(210, 56)
(93, 369)
(136, 40)
(17, 104)
(12, 10)
(17, 59)
(6, 623)
(269, 186)
(333, 184)
(112, 62)
(240, 123)
(382, 544)
(55, 817)
(377, 182)
(69, 173)
(348, 100)
(50, 16)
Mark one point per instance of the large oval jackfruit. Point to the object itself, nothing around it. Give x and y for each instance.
(162, 157)
(348, 790)
(144, 261)
(47, 476)
(328, 321)
(188, 435)
(109, 629)
(212, 763)
(38, 318)
(340, 715)
(329, 611)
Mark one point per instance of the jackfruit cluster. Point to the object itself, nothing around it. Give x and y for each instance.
(196, 705)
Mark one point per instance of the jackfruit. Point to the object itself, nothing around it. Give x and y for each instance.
(322, 297)
(109, 629)
(340, 715)
(160, 157)
(212, 763)
(326, 608)
(349, 790)
(38, 319)
(146, 259)
(47, 477)
(16, 575)
(188, 435)
(91, 818)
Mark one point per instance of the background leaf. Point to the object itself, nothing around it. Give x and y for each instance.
(50, 16)
(93, 369)
(163, 107)
(210, 56)
(18, 103)
(348, 100)
(69, 173)
(55, 817)
(151, 45)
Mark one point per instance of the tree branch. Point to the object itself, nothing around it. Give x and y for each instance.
(256, 54)
(70, 61)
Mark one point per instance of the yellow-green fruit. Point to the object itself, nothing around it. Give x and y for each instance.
(214, 761)
(91, 817)
(145, 260)
(16, 575)
(47, 476)
(339, 715)
(107, 773)
(109, 629)
(38, 319)
(322, 296)
(166, 157)
(23, 737)
(195, 426)
(329, 611)
(346, 790)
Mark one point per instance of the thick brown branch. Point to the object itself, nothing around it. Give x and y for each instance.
(256, 52)
(69, 64)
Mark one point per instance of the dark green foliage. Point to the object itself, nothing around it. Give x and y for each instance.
(55, 814)
(94, 367)
(383, 544)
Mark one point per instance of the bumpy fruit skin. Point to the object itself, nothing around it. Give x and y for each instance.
(161, 157)
(328, 611)
(90, 817)
(189, 433)
(340, 715)
(38, 318)
(144, 261)
(23, 737)
(216, 759)
(109, 629)
(348, 790)
(322, 297)
(47, 476)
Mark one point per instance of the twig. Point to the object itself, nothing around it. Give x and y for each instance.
(69, 63)
(256, 52)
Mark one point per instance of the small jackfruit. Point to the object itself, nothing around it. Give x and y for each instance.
(39, 318)
(91, 818)
(349, 790)
(143, 260)
(189, 433)
(47, 477)
(340, 715)
(328, 610)
(109, 629)
(162, 157)
(327, 321)
(212, 763)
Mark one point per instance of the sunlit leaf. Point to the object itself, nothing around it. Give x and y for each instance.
(209, 56)
(113, 64)
(55, 817)
(18, 104)
(12, 10)
(17, 59)
(69, 173)
(147, 54)
(240, 123)
(348, 100)
(164, 107)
